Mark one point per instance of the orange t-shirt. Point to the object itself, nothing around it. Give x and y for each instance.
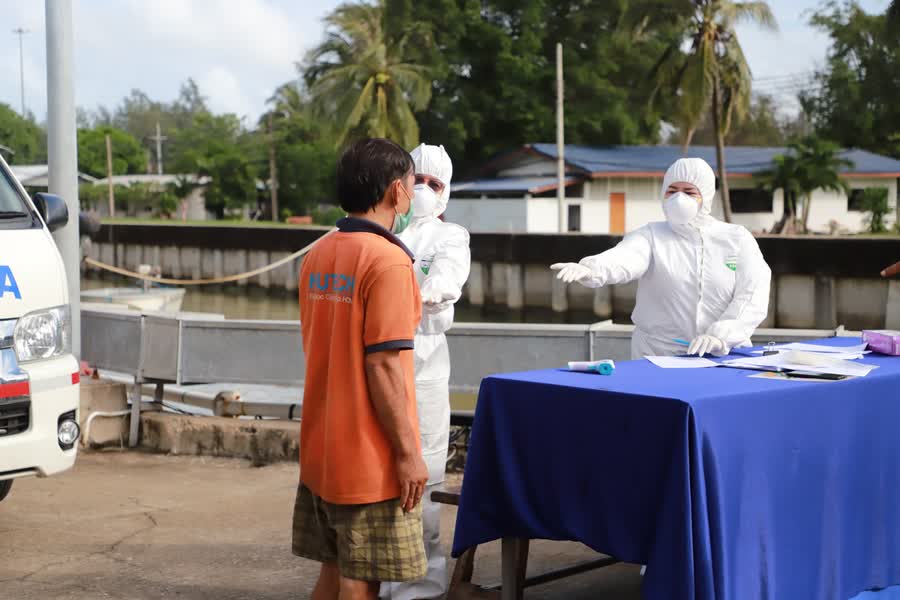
(358, 295)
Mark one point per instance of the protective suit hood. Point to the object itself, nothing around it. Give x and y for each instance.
(434, 161)
(697, 172)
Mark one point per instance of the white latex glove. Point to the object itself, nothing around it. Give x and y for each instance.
(432, 296)
(707, 344)
(569, 272)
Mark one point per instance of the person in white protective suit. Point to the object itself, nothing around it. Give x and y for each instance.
(699, 279)
(441, 267)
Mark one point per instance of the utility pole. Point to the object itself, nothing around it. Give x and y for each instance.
(20, 32)
(62, 149)
(109, 177)
(159, 138)
(560, 143)
(273, 170)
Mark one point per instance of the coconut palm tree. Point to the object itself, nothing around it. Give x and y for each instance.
(359, 78)
(713, 74)
(782, 175)
(810, 164)
(819, 168)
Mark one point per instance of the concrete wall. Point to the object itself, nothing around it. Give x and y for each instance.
(543, 215)
(818, 281)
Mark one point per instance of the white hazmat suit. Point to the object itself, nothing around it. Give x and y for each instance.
(699, 279)
(442, 261)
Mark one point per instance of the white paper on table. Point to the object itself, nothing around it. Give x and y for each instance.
(838, 355)
(681, 362)
(803, 347)
(809, 362)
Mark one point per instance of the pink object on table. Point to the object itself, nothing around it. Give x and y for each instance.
(883, 341)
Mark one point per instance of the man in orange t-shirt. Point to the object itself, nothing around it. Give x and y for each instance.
(361, 471)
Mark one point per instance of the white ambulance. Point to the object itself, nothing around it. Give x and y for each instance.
(39, 376)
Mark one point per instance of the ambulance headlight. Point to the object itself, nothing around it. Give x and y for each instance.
(44, 334)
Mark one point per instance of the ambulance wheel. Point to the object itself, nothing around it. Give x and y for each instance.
(4, 488)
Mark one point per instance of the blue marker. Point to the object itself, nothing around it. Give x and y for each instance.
(682, 342)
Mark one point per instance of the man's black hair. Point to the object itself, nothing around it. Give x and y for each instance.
(365, 171)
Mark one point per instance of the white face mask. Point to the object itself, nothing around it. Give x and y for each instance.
(425, 201)
(680, 208)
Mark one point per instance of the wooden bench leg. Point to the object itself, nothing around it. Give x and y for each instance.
(514, 567)
(461, 586)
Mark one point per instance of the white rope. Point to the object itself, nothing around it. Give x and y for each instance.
(215, 280)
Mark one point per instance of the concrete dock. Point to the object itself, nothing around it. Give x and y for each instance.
(130, 525)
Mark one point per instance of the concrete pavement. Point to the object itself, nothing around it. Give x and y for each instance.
(126, 525)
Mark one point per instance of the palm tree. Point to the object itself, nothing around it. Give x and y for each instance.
(360, 79)
(714, 72)
(820, 166)
(783, 175)
(810, 164)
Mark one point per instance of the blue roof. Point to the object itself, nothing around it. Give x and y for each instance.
(522, 185)
(654, 160)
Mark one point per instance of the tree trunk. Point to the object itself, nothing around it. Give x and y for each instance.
(273, 171)
(720, 152)
(787, 214)
(807, 200)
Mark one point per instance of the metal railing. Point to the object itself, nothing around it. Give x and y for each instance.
(195, 348)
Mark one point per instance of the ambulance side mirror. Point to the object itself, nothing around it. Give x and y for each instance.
(53, 210)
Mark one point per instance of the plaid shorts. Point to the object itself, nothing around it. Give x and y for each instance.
(368, 542)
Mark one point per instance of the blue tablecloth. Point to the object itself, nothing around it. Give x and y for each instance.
(728, 487)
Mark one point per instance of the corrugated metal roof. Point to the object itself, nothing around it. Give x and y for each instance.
(521, 185)
(152, 178)
(37, 174)
(654, 160)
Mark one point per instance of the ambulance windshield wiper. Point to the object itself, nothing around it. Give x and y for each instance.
(12, 214)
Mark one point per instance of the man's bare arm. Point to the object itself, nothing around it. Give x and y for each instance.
(387, 389)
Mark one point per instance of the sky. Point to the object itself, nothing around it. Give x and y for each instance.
(239, 51)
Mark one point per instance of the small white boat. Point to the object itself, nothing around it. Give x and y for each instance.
(154, 299)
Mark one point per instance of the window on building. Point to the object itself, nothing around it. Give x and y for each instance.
(751, 200)
(855, 200)
(574, 217)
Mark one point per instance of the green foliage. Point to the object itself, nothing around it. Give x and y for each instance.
(855, 99)
(328, 217)
(760, 126)
(216, 146)
(361, 80)
(875, 202)
(136, 199)
(713, 75)
(138, 114)
(810, 164)
(128, 156)
(305, 154)
(494, 72)
(24, 137)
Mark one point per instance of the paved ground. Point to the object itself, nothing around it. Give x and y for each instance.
(137, 526)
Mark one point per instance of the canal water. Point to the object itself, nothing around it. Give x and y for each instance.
(257, 303)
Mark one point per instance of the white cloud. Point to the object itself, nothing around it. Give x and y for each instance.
(224, 92)
(236, 31)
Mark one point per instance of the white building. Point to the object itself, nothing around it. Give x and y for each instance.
(615, 189)
(38, 176)
(192, 208)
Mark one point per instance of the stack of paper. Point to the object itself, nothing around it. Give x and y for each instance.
(854, 352)
(681, 362)
(810, 362)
